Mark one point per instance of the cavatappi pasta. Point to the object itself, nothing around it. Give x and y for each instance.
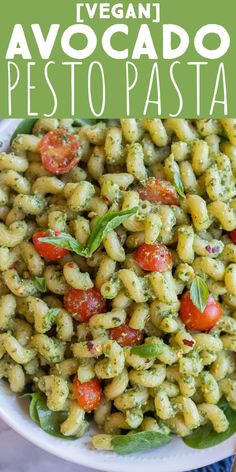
(70, 323)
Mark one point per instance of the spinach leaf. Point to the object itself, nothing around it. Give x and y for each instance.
(130, 443)
(25, 127)
(33, 405)
(33, 408)
(199, 293)
(48, 420)
(40, 284)
(103, 225)
(148, 350)
(205, 436)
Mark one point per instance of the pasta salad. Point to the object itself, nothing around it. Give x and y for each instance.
(118, 278)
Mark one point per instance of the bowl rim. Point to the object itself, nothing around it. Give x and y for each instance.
(99, 461)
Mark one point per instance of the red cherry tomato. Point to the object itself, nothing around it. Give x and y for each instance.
(157, 190)
(126, 336)
(88, 394)
(84, 303)
(153, 257)
(48, 251)
(59, 151)
(233, 236)
(194, 319)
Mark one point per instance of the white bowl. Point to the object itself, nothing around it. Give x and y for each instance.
(174, 457)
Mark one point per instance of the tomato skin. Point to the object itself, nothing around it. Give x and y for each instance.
(88, 394)
(84, 303)
(159, 191)
(233, 236)
(153, 257)
(48, 251)
(126, 336)
(194, 319)
(59, 151)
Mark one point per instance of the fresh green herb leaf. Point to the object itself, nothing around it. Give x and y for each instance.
(33, 405)
(199, 293)
(66, 241)
(147, 351)
(40, 284)
(205, 436)
(25, 127)
(103, 225)
(178, 185)
(130, 443)
(49, 421)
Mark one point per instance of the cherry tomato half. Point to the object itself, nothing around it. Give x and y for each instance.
(233, 236)
(126, 336)
(194, 319)
(48, 251)
(59, 151)
(153, 257)
(84, 303)
(157, 190)
(88, 394)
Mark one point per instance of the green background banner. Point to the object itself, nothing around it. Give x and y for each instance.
(176, 89)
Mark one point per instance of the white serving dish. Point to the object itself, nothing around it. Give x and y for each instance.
(174, 457)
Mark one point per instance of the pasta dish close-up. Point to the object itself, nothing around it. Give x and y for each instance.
(118, 279)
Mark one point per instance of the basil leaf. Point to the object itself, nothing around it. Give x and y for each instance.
(147, 350)
(25, 127)
(66, 241)
(103, 225)
(199, 293)
(178, 185)
(40, 284)
(130, 443)
(48, 420)
(205, 436)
